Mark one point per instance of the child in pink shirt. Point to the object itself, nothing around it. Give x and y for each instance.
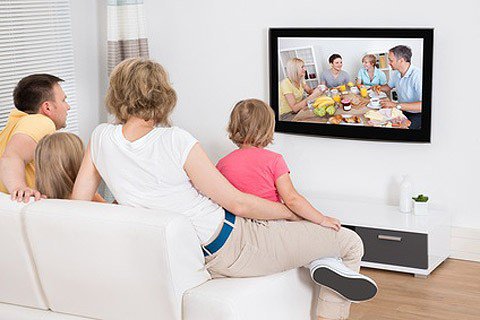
(252, 169)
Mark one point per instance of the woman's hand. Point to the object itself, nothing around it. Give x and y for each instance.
(322, 88)
(316, 92)
(331, 223)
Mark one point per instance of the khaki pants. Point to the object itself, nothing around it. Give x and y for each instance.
(258, 248)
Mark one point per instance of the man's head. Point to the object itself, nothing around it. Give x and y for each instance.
(399, 56)
(41, 93)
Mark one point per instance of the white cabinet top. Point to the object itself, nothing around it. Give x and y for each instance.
(379, 216)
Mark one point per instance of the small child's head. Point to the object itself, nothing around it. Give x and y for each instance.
(252, 123)
(58, 157)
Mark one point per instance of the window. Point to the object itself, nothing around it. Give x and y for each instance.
(36, 37)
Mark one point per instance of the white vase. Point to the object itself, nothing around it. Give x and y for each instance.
(420, 208)
(405, 196)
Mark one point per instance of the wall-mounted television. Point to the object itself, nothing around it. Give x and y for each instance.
(358, 83)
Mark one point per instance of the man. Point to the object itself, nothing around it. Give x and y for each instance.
(408, 82)
(40, 109)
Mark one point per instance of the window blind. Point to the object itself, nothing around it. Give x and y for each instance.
(36, 37)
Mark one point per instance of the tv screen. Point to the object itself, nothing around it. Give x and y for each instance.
(352, 83)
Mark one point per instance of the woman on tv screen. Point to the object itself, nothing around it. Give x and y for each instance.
(369, 74)
(293, 88)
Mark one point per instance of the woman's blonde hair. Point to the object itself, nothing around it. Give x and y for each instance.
(252, 122)
(58, 157)
(370, 58)
(293, 66)
(141, 88)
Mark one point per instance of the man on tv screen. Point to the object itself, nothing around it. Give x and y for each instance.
(407, 80)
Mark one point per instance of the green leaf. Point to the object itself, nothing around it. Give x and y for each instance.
(420, 198)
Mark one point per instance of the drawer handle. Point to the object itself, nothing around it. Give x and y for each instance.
(390, 238)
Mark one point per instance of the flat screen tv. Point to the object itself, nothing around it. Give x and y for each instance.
(358, 83)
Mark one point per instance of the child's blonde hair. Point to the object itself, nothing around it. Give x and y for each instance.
(58, 157)
(252, 122)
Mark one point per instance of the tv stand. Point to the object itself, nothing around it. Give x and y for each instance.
(393, 240)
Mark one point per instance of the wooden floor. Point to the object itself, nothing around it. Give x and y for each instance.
(451, 292)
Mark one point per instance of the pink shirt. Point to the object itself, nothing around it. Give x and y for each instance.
(254, 171)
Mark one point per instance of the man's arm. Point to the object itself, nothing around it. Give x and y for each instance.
(384, 88)
(19, 151)
(414, 107)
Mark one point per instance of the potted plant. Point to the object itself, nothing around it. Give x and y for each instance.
(420, 205)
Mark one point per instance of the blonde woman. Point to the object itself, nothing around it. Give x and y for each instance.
(293, 88)
(148, 163)
(58, 157)
(370, 75)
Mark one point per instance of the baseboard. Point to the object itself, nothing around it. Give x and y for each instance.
(465, 244)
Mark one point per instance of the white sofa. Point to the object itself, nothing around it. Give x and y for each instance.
(76, 260)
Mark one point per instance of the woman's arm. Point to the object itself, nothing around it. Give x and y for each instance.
(359, 77)
(307, 88)
(300, 206)
(88, 179)
(210, 182)
(297, 106)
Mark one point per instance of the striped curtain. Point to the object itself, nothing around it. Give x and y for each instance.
(126, 38)
(126, 31)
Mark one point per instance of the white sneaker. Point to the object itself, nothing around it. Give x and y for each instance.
(332, 273)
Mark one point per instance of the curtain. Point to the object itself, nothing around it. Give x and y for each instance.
(126, 36)
(126, 31)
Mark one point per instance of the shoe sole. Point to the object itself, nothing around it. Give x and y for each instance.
(352, 289)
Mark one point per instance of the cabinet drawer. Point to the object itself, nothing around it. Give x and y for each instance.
(393, 247)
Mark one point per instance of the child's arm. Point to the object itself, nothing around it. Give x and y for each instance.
(300, 206)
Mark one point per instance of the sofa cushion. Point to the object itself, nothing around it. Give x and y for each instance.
(18, 281)
(12, 312)
(113, 262)
(286, 295)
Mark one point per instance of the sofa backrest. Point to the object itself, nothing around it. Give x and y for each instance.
(18, 281)
(113, 262)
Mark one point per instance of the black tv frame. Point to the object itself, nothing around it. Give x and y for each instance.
(355, 132)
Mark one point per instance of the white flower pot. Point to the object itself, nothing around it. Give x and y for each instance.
(420, 208)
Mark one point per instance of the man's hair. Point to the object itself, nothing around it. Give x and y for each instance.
(402, 52)
(33, 90)
(58, 157)
(252, 122)
(141, 88)
(333, 57)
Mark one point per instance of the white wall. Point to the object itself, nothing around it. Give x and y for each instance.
(216, 53)
(89, 46)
